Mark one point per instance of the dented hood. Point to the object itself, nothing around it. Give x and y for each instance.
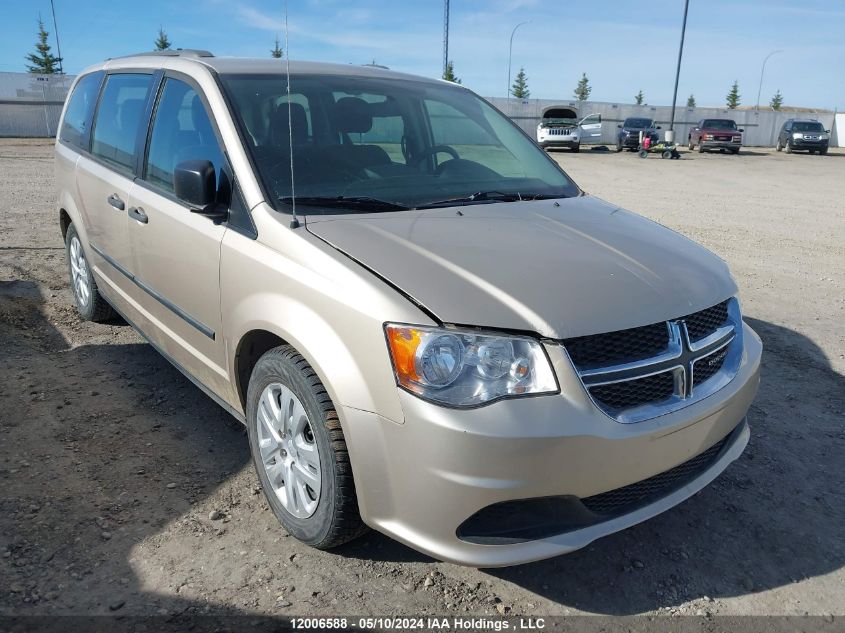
(562, 268)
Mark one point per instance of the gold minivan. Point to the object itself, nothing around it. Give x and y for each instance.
(425, 325)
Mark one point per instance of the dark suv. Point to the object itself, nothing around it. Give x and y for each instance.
(721, 134)
(803, 134)
(628, 136)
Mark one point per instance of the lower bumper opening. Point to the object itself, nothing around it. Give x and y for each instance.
(525, 520)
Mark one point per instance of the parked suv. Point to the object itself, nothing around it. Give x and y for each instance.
(721, 134)
(803, 134)
(630, 131)
(560, 127)
(424, 324)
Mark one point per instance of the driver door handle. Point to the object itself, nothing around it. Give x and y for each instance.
(137, 213)
(115, 201)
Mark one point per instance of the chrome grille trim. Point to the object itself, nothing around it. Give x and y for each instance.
(680, 358)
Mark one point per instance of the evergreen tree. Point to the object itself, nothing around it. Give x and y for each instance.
(520, 85)
(732, 99)
(449, 75)
(162, 43)
(777, 101)
(583, 89)
(277, 52)
(639, 97)
(691, 101)
(43, 61)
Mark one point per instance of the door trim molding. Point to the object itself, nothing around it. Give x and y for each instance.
(199, 325)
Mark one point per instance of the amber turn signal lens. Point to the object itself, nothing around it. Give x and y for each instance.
(403, 342)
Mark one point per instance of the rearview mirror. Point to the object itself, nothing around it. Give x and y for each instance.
(195, 184)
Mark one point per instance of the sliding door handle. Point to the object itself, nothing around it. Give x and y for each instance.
(137, 213)
(115, 201)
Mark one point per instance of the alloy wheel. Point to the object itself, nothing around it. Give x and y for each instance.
(79, 273)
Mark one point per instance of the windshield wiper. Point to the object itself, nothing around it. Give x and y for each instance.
(363, 203)
(488, 196)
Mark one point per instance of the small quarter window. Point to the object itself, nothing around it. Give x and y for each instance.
(79, 109)
(119, 118)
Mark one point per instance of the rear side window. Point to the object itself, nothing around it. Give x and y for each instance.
(181, 131)
(79, 109)
(119, 117)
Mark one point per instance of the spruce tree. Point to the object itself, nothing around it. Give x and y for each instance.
(449, 75)
(691, 101)
(639, 97)
(520, 85)
(732, 99)
(583, 89)
(777, 101)
(162, 43)
(276, 52)
(43, 61)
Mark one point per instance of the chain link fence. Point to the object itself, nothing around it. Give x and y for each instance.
(31, 104)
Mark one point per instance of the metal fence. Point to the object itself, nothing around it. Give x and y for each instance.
(31, 104)
(760, 127)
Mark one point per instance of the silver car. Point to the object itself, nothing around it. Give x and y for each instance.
(425, 325)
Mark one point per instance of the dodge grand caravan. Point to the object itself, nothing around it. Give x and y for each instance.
(425, 325)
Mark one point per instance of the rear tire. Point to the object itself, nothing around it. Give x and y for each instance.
(823, 151)
(89, 302)
(289, 416)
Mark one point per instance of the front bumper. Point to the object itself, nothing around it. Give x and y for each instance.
(809, 144)
(420, 480)
(560, 142)
(721, 144)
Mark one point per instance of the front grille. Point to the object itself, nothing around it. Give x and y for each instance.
(705, 322)
(660, 364)
(559, 131)
(641, 493)
(631, 393)
(617, 347)
(708, 366)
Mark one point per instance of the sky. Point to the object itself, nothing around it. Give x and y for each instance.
(622, 45)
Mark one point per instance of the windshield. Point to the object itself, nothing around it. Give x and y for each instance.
(633, 122)
(807, 126)
(412, 143)
(718, 124)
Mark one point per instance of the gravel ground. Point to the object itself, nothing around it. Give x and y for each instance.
(124, 489)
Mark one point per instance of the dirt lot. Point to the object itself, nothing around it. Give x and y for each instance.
(111, 463)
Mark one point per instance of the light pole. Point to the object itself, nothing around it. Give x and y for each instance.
(670, 133)
(510, 56)
(762, 70)
(58, 46)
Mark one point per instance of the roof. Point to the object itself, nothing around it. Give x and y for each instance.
(261, 66)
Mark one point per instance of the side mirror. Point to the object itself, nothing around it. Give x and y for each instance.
(618, 125)
(741, 130)
(658, 128)
(195, 184)
(827, 131)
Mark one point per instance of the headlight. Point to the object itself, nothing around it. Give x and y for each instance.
(797, 135)
(461, 368)
(708, 137)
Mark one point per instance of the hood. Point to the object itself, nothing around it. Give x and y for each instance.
(580, 267)
(720, 131)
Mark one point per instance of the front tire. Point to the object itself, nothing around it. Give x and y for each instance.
(576, 148)
(788, 147)
(619, 146)
(690, 144)
(778, 147)
(89, 302)
(299, 451)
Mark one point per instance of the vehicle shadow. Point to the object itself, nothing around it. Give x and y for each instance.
(773, 518)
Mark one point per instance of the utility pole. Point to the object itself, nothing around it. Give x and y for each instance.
(670, 133)
(58, 46)
(445, 36)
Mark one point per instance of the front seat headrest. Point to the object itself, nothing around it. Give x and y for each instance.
(352, 114)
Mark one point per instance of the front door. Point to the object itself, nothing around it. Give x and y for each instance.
(590, 129)
(177, 252)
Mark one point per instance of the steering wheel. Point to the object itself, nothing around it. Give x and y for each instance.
(435, 149)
